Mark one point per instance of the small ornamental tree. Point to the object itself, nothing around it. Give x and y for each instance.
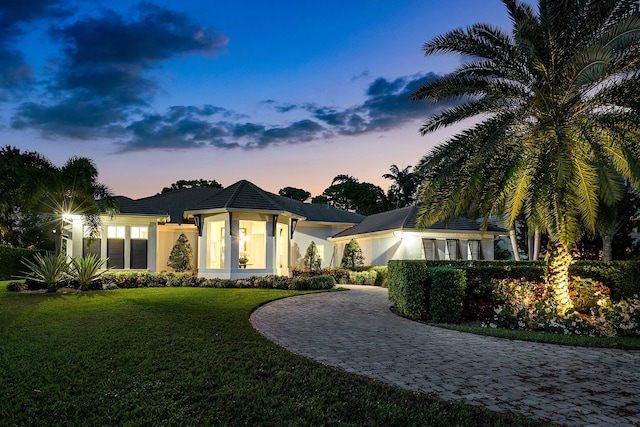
(181, 255)
(352, 256)
(311, 258)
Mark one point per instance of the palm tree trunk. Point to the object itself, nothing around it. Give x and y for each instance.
(557, 278)
(607, 251)
(514, 244)
(537, 236)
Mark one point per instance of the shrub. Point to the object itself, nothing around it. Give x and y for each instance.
(181, 255)
(338, 273)
(362, 277)
(16, 286)
(585, 293)
(447, 286)
(621, 277)
(352, 256)
(409, 288)
(311, 258)
(312, 282)
(529, 305)
(12, 261)
(382, 275)
(86, 270)
(49, 269)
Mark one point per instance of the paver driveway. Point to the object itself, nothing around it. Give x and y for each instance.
(355, 331)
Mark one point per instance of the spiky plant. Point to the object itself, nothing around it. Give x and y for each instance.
(87, 269)
(50, 269)
(555, 105)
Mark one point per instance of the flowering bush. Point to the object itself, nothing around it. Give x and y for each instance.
(522, 304)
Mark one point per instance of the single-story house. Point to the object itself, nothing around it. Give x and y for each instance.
(271, 232)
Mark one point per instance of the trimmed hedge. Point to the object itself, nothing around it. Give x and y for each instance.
(170, 279)
(377, 275)
(621, 277)
(11, 261)
(409, 288)
(446, 294)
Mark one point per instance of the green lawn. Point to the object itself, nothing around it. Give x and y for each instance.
(183, 356)
(628, 343)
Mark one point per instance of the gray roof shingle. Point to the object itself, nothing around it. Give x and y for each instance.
(243, 195)
(405, 219)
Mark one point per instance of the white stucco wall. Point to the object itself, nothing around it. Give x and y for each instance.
(380, 248)
(306, 233)
(167, 236)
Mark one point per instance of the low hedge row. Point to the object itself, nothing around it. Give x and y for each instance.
(128, 280)
(11, 261)
(377, 275)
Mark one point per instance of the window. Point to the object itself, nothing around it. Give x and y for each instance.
(139, 233)
(474, 249)
(430, 249)
(91, 242)
(115, 232)
(216, 235)
(138, 248)
(252, 243)
(115, 253)
(115, 246)
(451, 250)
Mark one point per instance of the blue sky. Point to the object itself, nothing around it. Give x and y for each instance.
(284, 93)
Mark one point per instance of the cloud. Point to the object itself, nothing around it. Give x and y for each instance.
(16, 75)
(300, 131)
(278, 106)
(181, 127)
(106, 63)
(386, 107)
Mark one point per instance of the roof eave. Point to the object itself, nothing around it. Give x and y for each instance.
(191, 213)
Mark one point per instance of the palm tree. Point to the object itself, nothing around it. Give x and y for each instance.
(556, 106)
(73, 189)
(405, 185)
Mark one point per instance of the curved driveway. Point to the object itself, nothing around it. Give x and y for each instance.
(355, 331)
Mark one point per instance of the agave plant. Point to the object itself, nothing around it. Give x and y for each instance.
(50, 269)
(87, 269)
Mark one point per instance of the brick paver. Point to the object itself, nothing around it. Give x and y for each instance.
(355, 331)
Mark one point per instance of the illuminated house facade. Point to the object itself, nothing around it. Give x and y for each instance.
(243, 231)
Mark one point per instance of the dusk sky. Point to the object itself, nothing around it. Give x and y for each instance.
(282, 93)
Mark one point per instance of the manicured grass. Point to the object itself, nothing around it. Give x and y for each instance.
(628, 343)
(183, 356)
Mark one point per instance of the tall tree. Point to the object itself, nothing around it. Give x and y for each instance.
(402, 191)
(556, 106)
(74, 189)
(190, 183)
(348, 193)
(295, 193)
(21, 224)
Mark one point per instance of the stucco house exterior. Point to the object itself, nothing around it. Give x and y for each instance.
(271, 232)
(393, 235)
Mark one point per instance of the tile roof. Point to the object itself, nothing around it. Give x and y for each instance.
(243, 195)
(405, 219)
